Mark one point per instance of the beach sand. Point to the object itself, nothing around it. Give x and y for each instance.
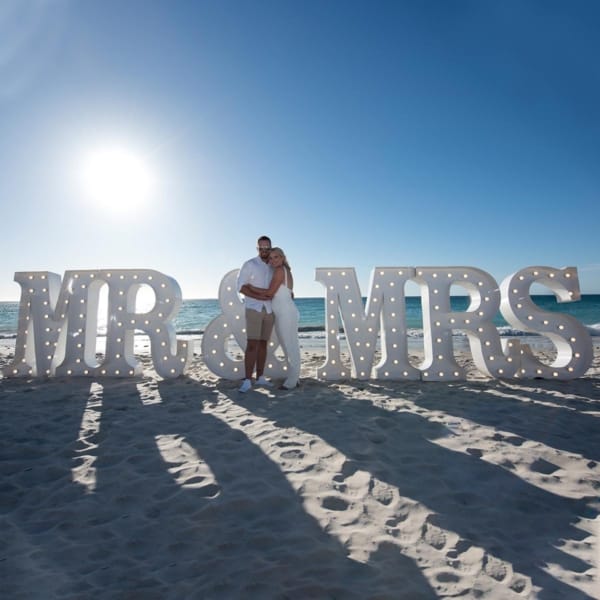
(185, 488)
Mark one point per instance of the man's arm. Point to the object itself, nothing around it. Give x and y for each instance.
(254, 292)
(242, 282)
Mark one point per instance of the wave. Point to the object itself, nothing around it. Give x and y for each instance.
(190, 332)
(594, 330)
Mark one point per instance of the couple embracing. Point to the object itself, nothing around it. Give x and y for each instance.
(266, 282)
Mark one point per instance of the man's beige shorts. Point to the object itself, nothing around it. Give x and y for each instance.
(259, 325)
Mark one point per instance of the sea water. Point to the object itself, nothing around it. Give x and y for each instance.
(195, 315)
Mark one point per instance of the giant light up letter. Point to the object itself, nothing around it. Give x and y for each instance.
(574, 347)
(41, 328)
(170, 356)
(385, 307)
(229, 326)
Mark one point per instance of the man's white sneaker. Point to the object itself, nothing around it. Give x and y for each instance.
(246, 386)
(262, 380)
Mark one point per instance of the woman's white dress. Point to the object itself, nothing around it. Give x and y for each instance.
(286, 328)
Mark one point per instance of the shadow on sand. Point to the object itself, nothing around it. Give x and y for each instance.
(136, 531)
(486, 505)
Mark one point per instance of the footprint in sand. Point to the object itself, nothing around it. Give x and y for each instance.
(434, 536)
(543, 466)
(497, 569)
(334, 503)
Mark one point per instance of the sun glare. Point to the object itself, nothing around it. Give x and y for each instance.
(117, 179)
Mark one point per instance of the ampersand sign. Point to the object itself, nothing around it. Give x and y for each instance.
(226, 335)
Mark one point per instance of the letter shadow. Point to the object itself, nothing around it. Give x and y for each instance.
(182, 506)
(484, 504)
(39, 428)
(530, 410)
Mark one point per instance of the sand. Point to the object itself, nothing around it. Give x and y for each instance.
(144, 488)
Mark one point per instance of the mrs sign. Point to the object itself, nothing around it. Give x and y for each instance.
(58, 325)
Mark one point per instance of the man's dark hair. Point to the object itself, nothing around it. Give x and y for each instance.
(264, 238)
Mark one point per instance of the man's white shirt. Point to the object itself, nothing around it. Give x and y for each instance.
(259, 274)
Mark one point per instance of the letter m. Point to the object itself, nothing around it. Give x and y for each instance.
(44, 309)
(41, 331)
(385, 307)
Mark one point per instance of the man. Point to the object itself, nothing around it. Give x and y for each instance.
(256, 272)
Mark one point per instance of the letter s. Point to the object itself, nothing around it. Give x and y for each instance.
(573, 342)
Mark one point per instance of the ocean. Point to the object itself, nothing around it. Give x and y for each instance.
(194, 315)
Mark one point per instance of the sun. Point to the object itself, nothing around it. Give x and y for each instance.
(117, 179)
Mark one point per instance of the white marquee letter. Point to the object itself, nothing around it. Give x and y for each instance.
(41, 329)
(385, 306)
(439, 321)
(573, 342)
(231, 324)
(170, 356)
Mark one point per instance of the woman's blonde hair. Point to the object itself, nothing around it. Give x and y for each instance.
(280, 251)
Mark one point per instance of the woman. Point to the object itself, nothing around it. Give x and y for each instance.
(286, 314)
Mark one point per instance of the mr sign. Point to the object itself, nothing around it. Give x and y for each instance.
(57, 327)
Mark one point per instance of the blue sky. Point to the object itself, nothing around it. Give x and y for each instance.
(355, 134)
